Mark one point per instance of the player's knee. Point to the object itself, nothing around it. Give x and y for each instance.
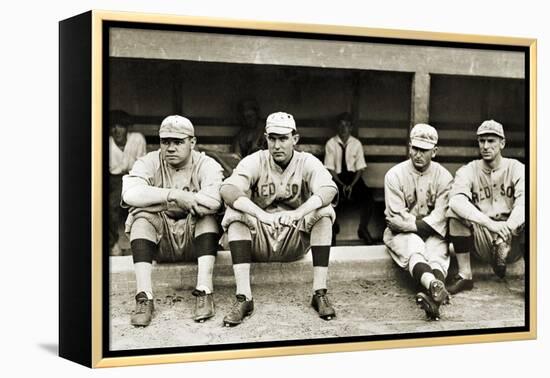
(412, 242)
(321, 232)
(238, 231)
(143, 228)
(206, 224)
(458, 228)
(322, 216)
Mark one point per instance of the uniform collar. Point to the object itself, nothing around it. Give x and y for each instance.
(417, 172)
(488, 169)
(277, 166)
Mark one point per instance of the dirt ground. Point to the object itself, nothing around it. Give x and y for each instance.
(283, 312)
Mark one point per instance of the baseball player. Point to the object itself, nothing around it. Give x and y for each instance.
(416, 194)
(487, 208)
(124, 149)
(278, 204)
(173, 194)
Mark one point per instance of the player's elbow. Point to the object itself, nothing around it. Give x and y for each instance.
(327, 195)
(230, 193)
(456, 202)
(208, 201)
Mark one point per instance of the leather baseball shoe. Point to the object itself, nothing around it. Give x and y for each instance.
(144, 310)
(241, 309)
(321, 304)
(429, 306)
(438, 292)
(459, 284)
(204, 306)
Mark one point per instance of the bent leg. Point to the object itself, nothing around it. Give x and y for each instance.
(206, 247)
(437, 253)
(240, 245)
(143, 242)
(460, 234)
(320, 238)
(408, 250)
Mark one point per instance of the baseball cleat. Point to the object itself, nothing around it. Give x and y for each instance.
(438, 292)
(241, 309)
(204, 306)
(459, 284)
(500, 254)
(428, 305)
(144, 311)
(322, 305)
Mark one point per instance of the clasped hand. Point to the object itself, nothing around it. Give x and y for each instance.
(281, 219)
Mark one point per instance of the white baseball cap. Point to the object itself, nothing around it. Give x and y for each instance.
(423, 136)
(491, 127)
(176, 126)
(280, 123)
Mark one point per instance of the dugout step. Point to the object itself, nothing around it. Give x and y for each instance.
(346, 264)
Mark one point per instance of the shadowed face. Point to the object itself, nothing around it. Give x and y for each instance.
(490, 146)
(344, 129)
(176, 151)
(421, 158)
(250, 118)
(119, 133)
(281, 147)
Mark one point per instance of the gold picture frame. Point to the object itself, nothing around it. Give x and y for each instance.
(85, 49)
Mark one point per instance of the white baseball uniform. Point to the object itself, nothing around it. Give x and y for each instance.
(498, 193)
(274, 189)
(174, 228)
(413, 196)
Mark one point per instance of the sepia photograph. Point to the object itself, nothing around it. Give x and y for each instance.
(270, 188)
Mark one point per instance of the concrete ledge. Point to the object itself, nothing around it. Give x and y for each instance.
(346, 264)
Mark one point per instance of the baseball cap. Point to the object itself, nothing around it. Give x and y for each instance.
(423, 136)
(176, 126)
(280, 123)
(491, 127)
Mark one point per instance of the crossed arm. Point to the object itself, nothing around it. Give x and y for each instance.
(174, 201)
(236, 198)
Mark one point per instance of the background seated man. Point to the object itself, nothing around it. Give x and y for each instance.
(345, 160)
(251, 135)
(124, 149)
(279, 203)
(174, 196)
(416, 194)
(487, 208)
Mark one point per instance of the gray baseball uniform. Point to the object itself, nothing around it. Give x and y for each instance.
(498, 193)
(274, 189)
(414, 195)
(174, 228)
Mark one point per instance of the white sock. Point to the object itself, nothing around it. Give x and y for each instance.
(143, 278)
(464, 267)
(320, 277)
(242, 279)
(427, 279)
(205, 273)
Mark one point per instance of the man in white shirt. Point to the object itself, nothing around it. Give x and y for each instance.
(347, 169)
(124, 149)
